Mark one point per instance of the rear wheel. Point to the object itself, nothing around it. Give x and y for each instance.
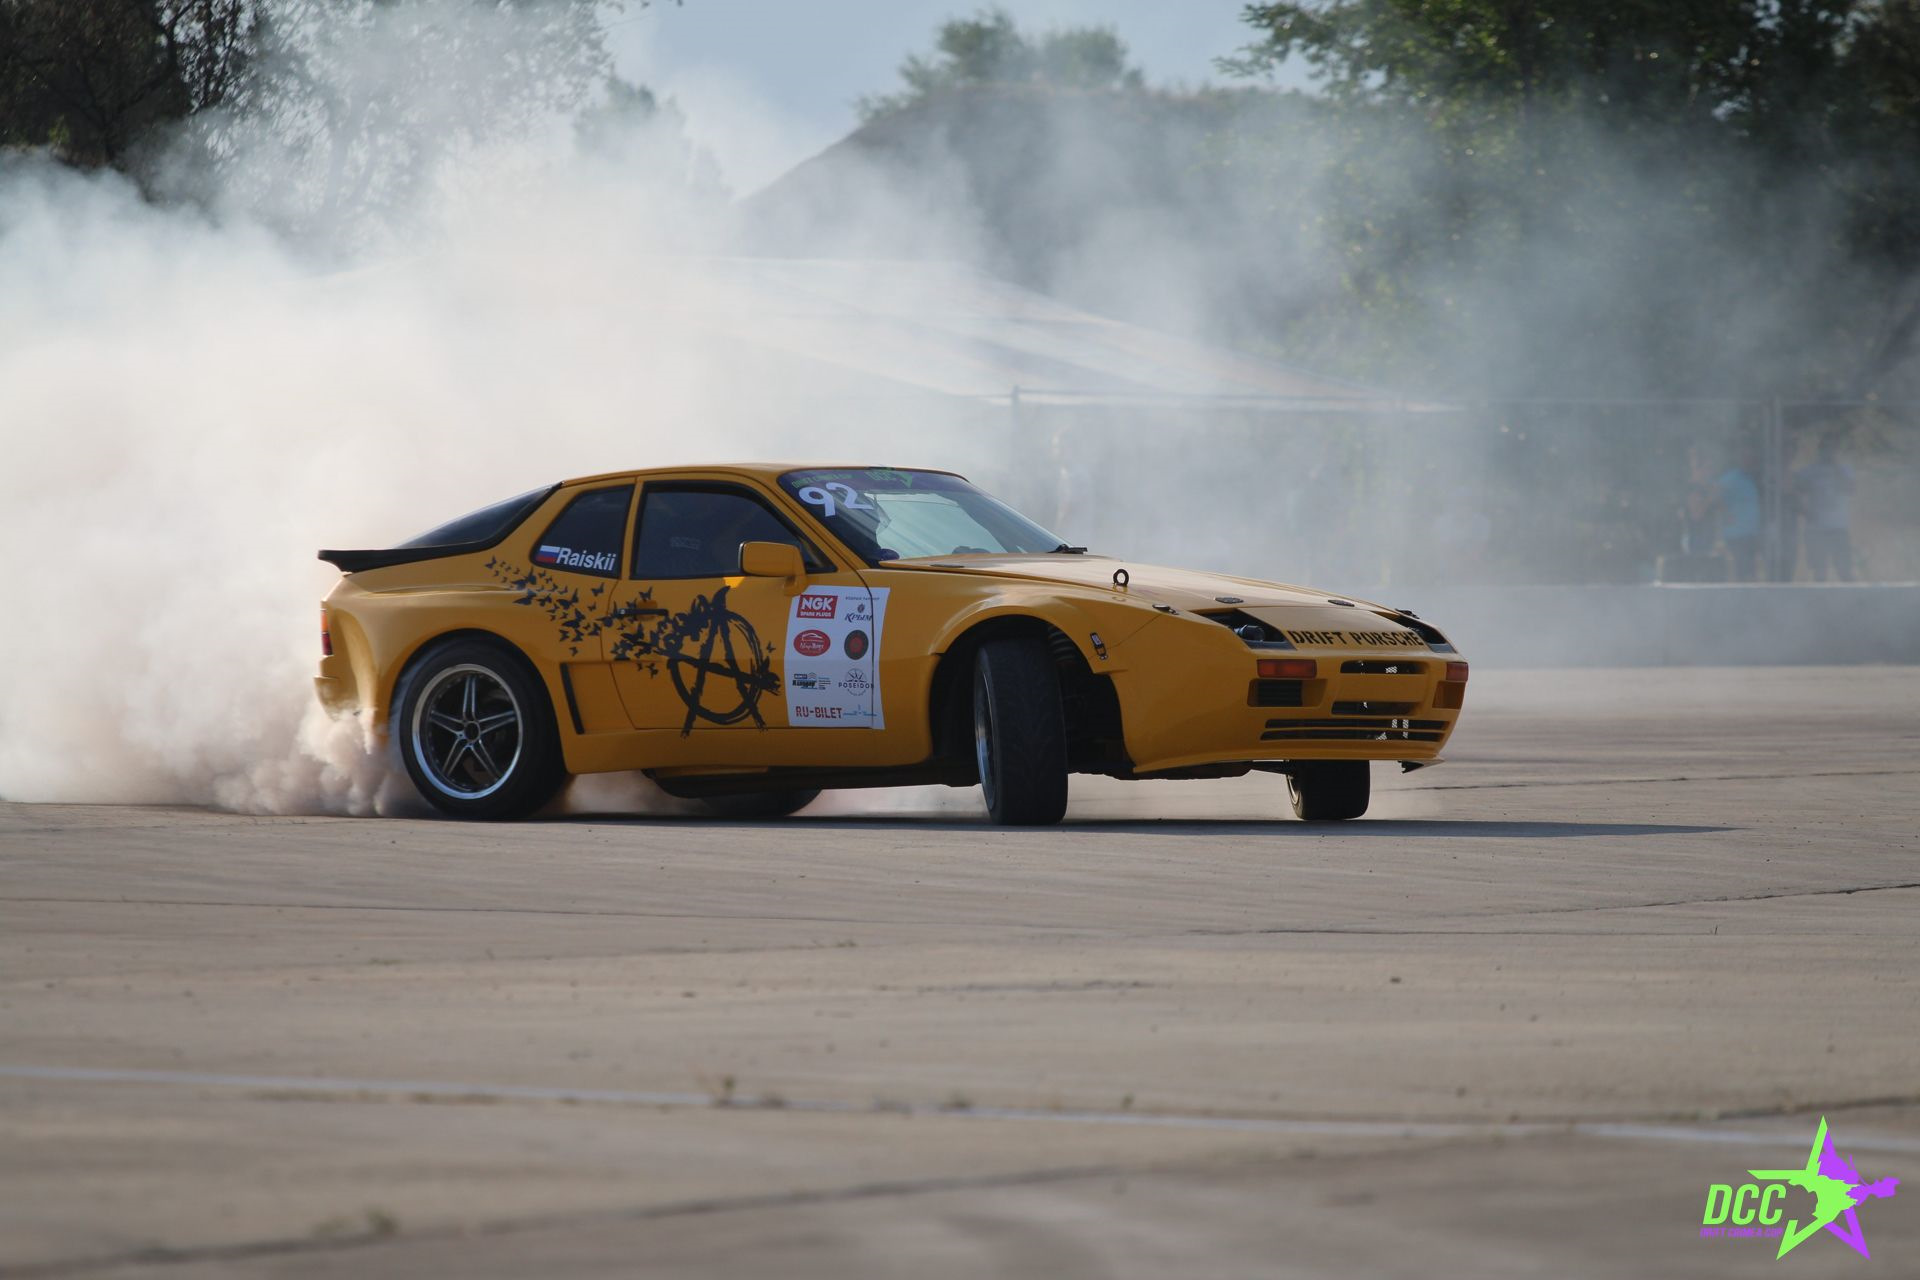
(476, 732)
(1330, 790)
(760, 804)
(1019, 733)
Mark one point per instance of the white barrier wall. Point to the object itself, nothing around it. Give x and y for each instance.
(1677, 625)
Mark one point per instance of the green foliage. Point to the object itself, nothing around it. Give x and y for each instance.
(604, 125)
(314, 113)
(990, 49)
(353, 104)
(628, 126)
(325, 119)
(1679, 165)
(90, 79)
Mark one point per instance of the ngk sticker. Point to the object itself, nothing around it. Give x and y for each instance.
(816, 604)
(838, 631)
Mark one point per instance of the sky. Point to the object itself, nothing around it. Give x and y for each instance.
(766, 83)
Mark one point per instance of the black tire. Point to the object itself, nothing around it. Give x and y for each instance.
(1330, 790)
(759, 804)
(476, 732)
(1020, 733)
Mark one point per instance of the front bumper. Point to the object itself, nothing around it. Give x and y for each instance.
(1180, 711)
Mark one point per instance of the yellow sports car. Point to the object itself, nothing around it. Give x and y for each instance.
(749, 635)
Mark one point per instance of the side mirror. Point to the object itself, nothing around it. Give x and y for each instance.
(771, 560)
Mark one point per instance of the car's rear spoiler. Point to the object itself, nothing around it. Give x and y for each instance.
(493, 524)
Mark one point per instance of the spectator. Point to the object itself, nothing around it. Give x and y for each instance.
(1780, 542)
(1696, 556)
(1740, 518)
(1461, 536)
(1699, 530)
(1824, 489)
(1072, 485)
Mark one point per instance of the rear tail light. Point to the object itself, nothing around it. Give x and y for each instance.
(1457, 671)
(1288, 668)
(326, 636)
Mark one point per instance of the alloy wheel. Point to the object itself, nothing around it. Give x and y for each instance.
(467, 731)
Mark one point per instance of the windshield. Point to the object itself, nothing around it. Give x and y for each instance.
(884, 514)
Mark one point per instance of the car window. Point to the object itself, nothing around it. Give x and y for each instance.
(689, 531)
(485, 526)
(585, 537)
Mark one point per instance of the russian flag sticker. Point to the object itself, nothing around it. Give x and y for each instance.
(547, 555)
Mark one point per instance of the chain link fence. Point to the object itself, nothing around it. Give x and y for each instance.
(1488, 493)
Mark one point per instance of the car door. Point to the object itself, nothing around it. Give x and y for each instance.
(572, 574)
(740, 670)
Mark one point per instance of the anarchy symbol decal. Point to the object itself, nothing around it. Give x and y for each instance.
(716, 662)
(713, 655)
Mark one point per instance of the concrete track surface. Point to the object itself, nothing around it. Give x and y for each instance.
(1643, 930)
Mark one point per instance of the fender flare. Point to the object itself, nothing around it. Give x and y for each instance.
(1061, 615)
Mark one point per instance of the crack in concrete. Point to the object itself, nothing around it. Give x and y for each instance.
(243, 1250)
(1066, 930)
(1657, 1130)
(441, 1092)
(504, 911)
(1684, 777)
(1735, 897)
(1467, 932)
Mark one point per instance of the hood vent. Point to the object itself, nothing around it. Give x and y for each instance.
(1256, 634)
(1428, 632)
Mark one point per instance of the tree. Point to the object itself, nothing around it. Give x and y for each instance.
(91, 79)
(324, 116)
(628, 126)
(349, 106)
(1700, 162)
(990, 49)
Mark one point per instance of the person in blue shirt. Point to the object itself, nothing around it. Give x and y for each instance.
(1739, 519)
(1824, 491)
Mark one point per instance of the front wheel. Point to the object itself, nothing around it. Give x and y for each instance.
(759, 804)
(476, 732)
(1019, 733)
(1329, 790)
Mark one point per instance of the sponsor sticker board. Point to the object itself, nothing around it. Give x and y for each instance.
(833, 658)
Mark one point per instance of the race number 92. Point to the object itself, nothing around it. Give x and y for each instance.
(833, 497)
